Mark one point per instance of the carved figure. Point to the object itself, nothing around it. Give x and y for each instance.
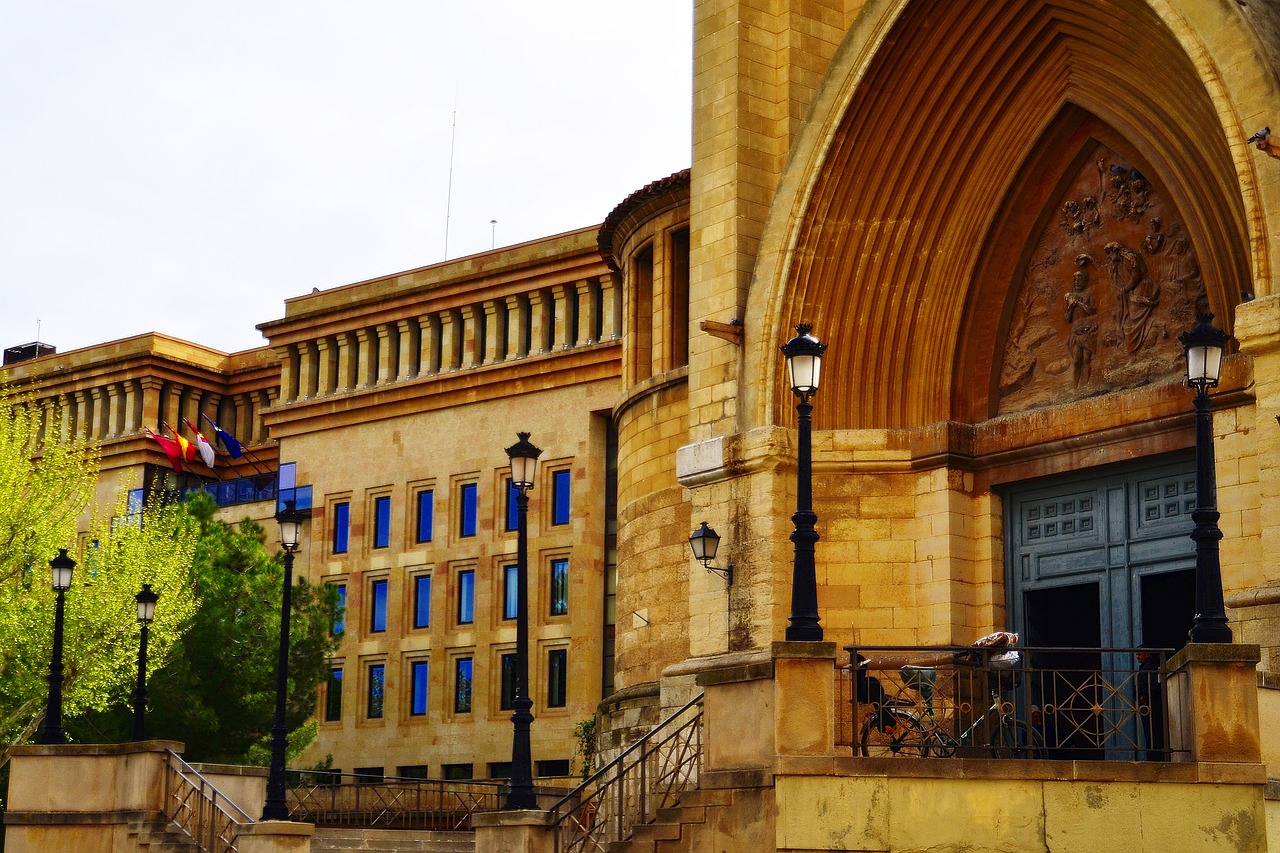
(1153, 243)
(1090, 215)
(1071, 220)
(1182, 277)
(1080, 312)
(1136, 294)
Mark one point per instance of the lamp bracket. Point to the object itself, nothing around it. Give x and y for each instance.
(726, 573)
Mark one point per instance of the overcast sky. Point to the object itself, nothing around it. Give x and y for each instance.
(185, 167)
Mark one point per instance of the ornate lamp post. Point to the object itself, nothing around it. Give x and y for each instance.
(1204, 344)
(804, 366)
(276, 808)
(146, 612)
(51, 731)
(524, 463)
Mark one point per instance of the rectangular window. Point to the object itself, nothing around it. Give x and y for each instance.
(341, 526)
(422, 601)
(462, 686)
(513, 507)
(418, 683)
(557, 677)
(559, 587)
(457, 772)
(333, 695)
(426, 514)
(382, 521)
(560, 497)
(338, 621)
(467, 510)
(508, 682)
(553, 767)
(378, 606)
(499, 769)
(510, 592)
(466, 597)
(377, 683)
(413, 771)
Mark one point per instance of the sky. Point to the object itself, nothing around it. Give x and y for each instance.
(184, 167)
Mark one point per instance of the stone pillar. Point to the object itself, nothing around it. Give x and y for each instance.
(494, 337)
(541, 322)
(308, 368)
(450, 340)
(407, 334)
(288, 373)
(610, 308)
(101, 413)
(388, 349)
(115, 414)
(563, 300)
(1212, 697)
(588, 311)
(149, 414)
(428, 345)
(517, 321)
(276, 836)
(514, 832)
(471, 334)
(326, 366)
(365, 363)
(345, 380)
(768, 711)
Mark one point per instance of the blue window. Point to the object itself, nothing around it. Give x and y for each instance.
(418, 683)
(513, 508)
(466, 597)
(377, 683)
(378, 606)
(341, 526)
(382, 521)
(559, 587)
(338, 622)
(510, 592)
(288, 475)
(426, 514)
(508, 683)
(462, 686)
(467, 514)
(422, 601)
(557, 677)
(333, 695)
(560, 497)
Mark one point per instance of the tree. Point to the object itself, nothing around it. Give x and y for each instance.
(46, 485)
(217, 692)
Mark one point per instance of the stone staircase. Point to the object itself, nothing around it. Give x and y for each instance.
(334, 839)
(690, 827)
(160, 835)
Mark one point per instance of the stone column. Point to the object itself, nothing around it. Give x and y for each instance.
(541, 321)
(288, 373)
(1212, 699)
(326, 366)
(308, 368)
(471, 334)
(407, 334)
(429, 345)
(517, 320)
(366, 362)
(101, 413)
(588, 311)
(388, 349)
(521, 831)
(450, 340)
(494, 334)
(345, 379)
(610, 308)
(563, 299)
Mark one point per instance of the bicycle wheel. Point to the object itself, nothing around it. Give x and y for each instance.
(1015, 739)
(894, 732)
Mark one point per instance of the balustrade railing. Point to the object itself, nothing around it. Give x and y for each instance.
(337, 799)
(204, 813)
(650, 774)
(1058, 703)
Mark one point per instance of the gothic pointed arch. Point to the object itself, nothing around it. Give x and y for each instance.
(906, 222)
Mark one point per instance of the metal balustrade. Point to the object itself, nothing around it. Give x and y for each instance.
(1056, 703)
(200, 809)
(649, 775)
(339, 799)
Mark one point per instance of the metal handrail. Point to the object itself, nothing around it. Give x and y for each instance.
(203, 812)
(1051, 702)
(326, 798)
(648, 775)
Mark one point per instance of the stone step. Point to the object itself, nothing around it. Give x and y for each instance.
(347, 839)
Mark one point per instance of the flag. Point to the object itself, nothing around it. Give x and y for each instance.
(203, 447)
(170, 448)
(228, 441)
(186, 448)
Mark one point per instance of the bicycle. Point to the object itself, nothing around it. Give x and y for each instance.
(894, 728)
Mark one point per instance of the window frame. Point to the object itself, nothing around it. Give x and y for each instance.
(424, 499)
(459, 663)
(560, 504)
(381, 523)
(416, 666)
(378, 606)
(507, 665)
(510, 573)
(468, 509)
(466, 598)
(338, 618)
(557, 605)
(379, 694)
(332, 699)
(340, 541)
(558, 694)
(416, 603)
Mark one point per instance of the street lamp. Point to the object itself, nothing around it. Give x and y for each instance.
(804, 366)
(705, 542)
(524, 463)
(1204, 344)
(62, 567)
(290, 521)
(146, 612)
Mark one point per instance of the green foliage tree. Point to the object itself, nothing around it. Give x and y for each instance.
(216, 693)
(46, 486)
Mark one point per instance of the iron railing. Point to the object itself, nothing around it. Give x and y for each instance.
(202, 811)
(339, 799)
(650, 774)
(1060, 703)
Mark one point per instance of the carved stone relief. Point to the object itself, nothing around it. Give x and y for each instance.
(1112, 283)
